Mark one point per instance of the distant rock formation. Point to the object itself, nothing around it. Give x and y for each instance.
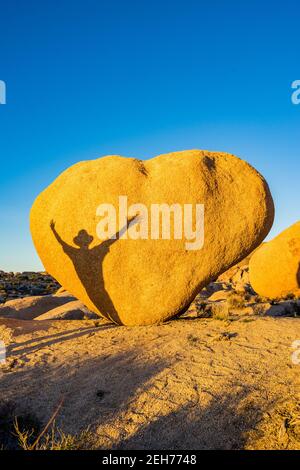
(25, 284)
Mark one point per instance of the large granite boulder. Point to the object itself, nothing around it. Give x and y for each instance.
(142, 276)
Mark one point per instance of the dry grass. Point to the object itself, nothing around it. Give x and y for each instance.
(24, 432)
(278, 429)
(192, 383)
(55, 439)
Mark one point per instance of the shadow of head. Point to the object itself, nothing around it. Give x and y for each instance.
(83, 239)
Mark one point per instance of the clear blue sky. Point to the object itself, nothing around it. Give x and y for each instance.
(87, 78)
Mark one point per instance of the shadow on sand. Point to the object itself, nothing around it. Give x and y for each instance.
(93, 391)
(27, 347)
(101, 392)
(223, 424)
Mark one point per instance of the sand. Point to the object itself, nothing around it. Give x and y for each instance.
(187, 384)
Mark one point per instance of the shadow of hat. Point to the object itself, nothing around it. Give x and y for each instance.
(83, 238)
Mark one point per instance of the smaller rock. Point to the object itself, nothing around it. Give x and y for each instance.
(74, 310)
(64, 293)
(29, 308)
(218, 310)
(246, 311)
(220, 295)
(285, 309)
(275, 267)
(212, 288)
(261, 308)
(60, 291)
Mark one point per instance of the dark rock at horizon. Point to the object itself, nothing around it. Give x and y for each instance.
(25, 284)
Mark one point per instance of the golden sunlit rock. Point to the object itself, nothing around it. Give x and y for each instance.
(275, 267)
(144, 281)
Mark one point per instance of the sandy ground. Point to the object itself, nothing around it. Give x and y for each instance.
(186, 384)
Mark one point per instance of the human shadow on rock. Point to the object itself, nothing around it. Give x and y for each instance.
(88, 264)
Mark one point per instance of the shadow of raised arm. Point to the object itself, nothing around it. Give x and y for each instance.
(65, 245)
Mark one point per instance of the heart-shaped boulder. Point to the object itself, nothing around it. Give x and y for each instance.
(136, 240)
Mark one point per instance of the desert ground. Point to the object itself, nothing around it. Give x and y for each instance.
(219, 377)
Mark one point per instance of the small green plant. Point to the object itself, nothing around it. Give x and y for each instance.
(192, 339)
(236, 300)
(26, 421)
(51, 437)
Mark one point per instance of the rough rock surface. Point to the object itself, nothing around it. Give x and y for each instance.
(147, 281)
(275, 267)
(32, 307)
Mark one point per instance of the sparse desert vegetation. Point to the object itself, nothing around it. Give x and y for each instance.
(219, 376)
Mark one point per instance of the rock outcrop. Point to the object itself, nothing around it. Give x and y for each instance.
(25, 284)
(275, 267)
(139, 281)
